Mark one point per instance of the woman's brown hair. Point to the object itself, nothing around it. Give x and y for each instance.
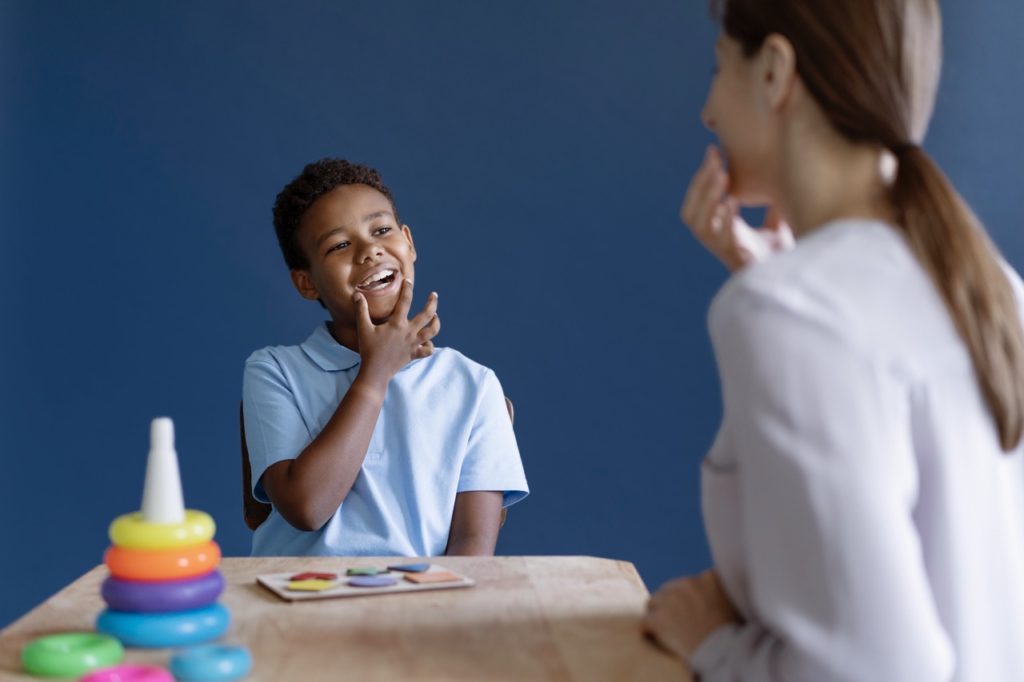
(872, 66)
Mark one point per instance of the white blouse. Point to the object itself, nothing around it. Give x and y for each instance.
(860, 511)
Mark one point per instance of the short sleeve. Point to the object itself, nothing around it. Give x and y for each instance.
(492, 460)
(274, 428)
(827, 484)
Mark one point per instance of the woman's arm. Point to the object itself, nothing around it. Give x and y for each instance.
(827, 481)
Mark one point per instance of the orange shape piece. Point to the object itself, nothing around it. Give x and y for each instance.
(433, 577)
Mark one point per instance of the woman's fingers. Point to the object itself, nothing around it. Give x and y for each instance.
(704, 193)
(697, 187)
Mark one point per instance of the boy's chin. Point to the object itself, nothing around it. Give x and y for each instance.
(381, 311)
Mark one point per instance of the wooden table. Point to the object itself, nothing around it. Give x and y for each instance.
(527, 618)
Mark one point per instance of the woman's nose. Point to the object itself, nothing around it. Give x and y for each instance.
(707, 119)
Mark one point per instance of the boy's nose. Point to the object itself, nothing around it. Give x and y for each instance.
(370, 252)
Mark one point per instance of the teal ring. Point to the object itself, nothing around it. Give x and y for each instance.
(211, 663)
(160, 630)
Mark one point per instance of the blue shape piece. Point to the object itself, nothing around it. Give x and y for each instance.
(211, 663)
(410, 568)
(372, 581)
(159, 630)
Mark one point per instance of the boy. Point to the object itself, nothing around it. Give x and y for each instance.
(365, 438)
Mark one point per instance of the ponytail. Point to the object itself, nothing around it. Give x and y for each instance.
(964, 265)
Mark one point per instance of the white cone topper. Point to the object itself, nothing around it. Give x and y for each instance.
(161, 498)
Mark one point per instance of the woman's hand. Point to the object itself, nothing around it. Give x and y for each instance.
(685, 611)
(390, 346)
(713, 217)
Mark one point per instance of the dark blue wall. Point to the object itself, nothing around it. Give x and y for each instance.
(539, 151)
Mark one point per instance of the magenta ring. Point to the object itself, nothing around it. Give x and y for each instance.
(129, 673)
(159, 597)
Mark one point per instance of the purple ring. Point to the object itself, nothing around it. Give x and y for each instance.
(159, 597)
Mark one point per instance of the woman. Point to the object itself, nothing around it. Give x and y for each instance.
(864, 498)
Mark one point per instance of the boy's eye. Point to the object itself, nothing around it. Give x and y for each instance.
(384, 229)
(338, 247)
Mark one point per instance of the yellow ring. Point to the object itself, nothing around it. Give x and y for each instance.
(132, 532)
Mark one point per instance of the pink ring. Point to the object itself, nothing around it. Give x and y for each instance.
(129, 673)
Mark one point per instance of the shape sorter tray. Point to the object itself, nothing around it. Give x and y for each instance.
(278, 584)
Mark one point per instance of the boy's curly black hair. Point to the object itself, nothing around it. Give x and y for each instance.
(315, 180)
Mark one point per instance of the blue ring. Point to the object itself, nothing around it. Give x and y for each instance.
(211, 663)
(159, 630)
(162, 596)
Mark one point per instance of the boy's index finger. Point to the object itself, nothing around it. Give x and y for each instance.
(404, 301)
(363, 320)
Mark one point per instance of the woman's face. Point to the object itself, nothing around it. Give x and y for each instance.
(740, 119)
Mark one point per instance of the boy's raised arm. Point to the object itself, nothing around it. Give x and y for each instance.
(307, 490)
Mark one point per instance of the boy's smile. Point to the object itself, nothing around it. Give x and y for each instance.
(353, 243)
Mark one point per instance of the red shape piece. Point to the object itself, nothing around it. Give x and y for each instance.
(312, 575)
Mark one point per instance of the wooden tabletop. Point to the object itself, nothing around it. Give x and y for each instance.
(527, 618)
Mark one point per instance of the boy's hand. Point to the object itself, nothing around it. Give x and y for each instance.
(713, 217)
(388, 347)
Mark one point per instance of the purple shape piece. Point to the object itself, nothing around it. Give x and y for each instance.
(161, 597)
(410, 568)
(372, 581)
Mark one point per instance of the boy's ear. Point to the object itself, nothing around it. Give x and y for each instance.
(408, 235)
(304, 284)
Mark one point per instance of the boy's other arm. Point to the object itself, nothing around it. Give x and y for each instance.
(475, 523)
(307, 490)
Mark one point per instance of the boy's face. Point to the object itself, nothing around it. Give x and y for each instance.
(353, 243)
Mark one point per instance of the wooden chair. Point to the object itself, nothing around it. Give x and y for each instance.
(256, 512)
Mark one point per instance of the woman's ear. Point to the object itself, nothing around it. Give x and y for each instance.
(777, 70)
(304, 284)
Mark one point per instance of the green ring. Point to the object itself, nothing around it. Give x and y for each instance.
(70, 654)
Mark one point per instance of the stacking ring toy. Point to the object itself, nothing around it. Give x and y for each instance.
(168, 564)
(129, 673)
(211, 663)
(156, 597)
(158, 630)
(134, 532)
(70, 654)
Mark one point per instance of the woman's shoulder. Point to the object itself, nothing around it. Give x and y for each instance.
(854, 279)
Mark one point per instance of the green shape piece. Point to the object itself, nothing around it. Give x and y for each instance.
(70, 654)
(367, 570)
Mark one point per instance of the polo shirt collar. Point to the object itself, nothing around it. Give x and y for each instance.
(327, 353)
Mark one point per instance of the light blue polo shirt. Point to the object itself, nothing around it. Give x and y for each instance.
(443, 430)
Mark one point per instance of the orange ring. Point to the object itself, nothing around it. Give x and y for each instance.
(168, 564)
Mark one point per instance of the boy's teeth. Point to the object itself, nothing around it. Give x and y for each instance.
(383, 274)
